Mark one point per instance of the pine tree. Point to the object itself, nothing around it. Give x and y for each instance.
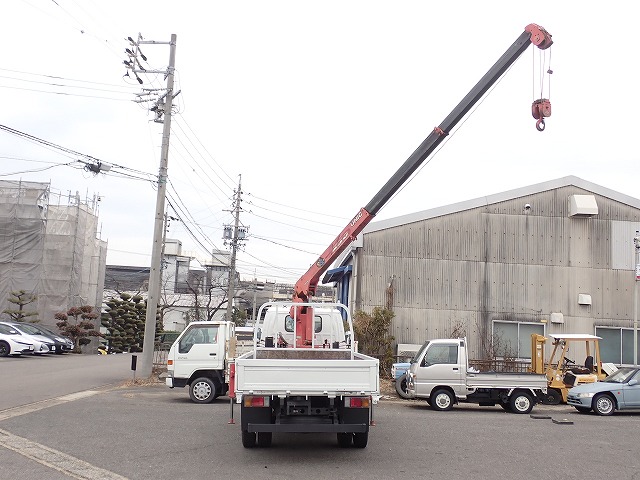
(80, 327)
(21, 298)
(124, 319)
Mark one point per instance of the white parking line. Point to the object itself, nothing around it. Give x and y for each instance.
(34, 407)
(59, 461)
(49, 457)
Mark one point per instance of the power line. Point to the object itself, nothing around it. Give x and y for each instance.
(54, 77)
(282, 244)
(65, 93)
(36, 170)
(295, 208)
(315, 222)
(63, 85)
(288, 224)
(210, 156)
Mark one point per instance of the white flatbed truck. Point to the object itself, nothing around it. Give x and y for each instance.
(324, 387)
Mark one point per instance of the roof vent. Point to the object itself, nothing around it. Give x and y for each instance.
(582, 206)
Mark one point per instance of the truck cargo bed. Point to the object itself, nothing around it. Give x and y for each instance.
(306, 372)
(506, 380)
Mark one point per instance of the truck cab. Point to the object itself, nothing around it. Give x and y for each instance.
(198, 359)
(440, 362)
(279, 326)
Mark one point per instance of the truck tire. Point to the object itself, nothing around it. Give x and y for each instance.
(521, 402)
(202, 390)
(401, 386)
(345, 439)
(248, 439)
(264, 439)
(442, 400)
(360, 439)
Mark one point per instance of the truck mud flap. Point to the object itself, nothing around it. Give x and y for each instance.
(309, 427)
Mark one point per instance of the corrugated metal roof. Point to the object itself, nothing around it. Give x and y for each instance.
(496, 198)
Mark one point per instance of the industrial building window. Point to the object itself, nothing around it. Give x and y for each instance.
(616, 345)
(513, 339)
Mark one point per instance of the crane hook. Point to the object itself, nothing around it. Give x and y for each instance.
(539, 109)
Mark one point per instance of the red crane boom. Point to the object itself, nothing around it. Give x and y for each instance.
(306, 286)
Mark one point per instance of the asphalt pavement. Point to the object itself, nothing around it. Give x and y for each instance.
(117, 430)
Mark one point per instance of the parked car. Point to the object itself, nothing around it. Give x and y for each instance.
(13, 342)
(62, 344)
(618, 391)
(41, 343)
(405, 352)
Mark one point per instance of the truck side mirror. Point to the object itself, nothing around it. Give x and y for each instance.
(632, 382)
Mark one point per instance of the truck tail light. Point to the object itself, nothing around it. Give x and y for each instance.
(357, 402)
(255, 401)
(169, 362)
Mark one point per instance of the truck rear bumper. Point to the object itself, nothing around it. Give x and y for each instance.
(308, 427)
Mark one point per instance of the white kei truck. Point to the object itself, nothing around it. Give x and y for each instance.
(326, 386)
(440, 374)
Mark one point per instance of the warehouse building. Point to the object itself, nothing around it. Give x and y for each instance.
(556, 257)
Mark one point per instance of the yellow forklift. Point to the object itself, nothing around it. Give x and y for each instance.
(562, 372)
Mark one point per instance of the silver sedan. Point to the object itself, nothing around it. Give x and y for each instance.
(619, 391)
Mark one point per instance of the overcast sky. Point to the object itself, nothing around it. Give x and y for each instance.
(315, 105)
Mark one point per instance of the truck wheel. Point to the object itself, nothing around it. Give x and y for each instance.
(345, 439)
(248, 439)
(401, 386)
(360, 439)
(264, 439)
(521, 402)
(603, 404)
(442, 400)
(202, 390)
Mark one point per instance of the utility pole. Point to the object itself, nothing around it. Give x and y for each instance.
(234, 247)
(255, 291)
(163, 107)
(636, 243)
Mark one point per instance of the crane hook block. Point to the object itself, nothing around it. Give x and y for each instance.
(540, 109)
